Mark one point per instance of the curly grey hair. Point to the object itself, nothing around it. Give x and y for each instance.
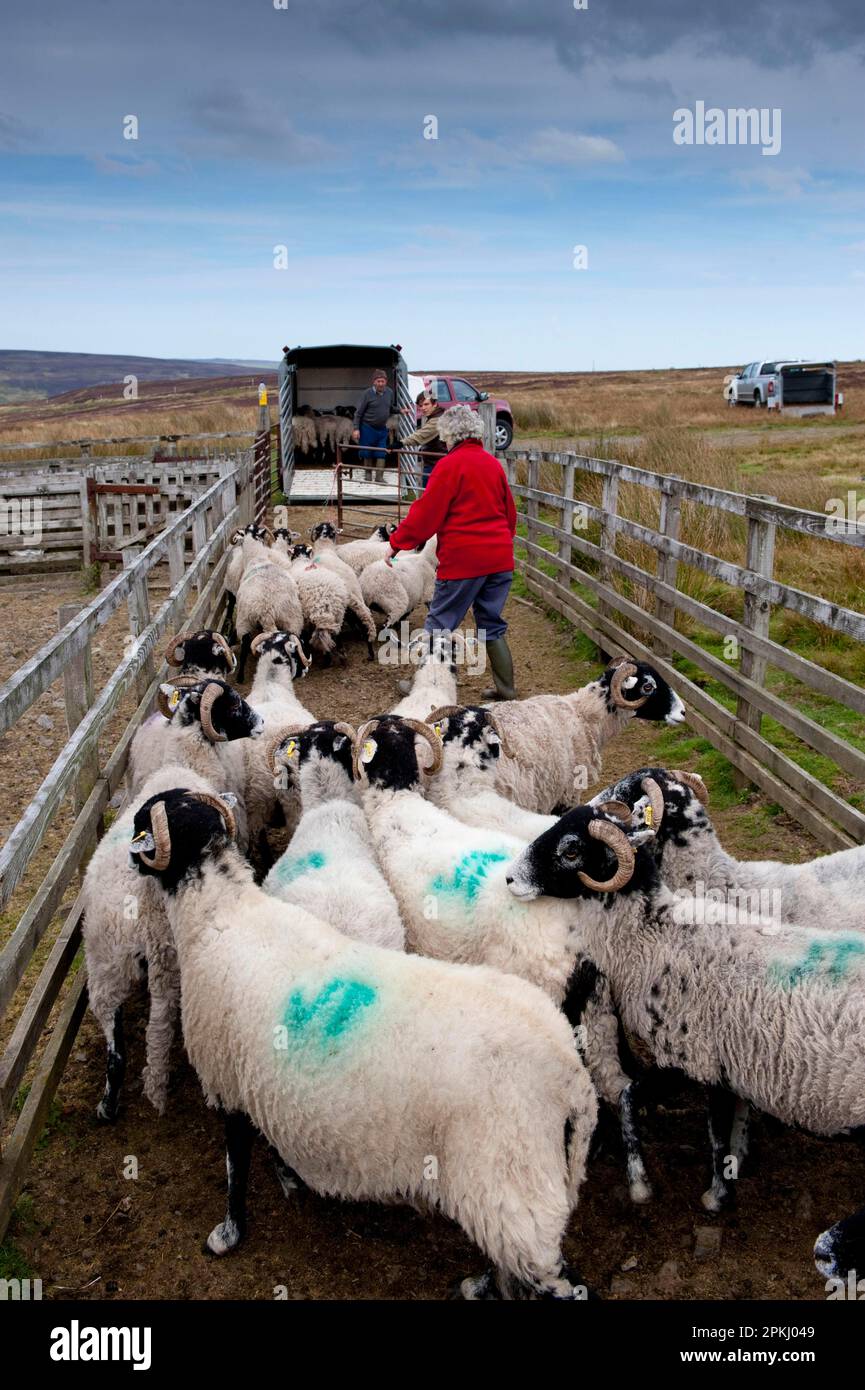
(459, 423)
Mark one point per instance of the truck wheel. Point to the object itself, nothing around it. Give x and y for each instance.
(758, 400)
(504, 432)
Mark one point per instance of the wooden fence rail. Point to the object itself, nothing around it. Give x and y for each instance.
(653, 636)
(236, 498)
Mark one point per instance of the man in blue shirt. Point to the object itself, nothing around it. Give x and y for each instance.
(370, 423)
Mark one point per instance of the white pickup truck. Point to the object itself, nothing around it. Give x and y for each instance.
(798, 388)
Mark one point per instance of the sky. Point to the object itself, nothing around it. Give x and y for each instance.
(281, 189)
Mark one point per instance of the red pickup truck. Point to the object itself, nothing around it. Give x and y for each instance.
(455, 390)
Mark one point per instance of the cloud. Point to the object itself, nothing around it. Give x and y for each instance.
(131, 168)
(15, 134)
(561, 147)
(232, 124)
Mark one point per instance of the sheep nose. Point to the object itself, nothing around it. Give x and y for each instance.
(509, 879)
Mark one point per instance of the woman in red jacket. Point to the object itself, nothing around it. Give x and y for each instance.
(468, 506)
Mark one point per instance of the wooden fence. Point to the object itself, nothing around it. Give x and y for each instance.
(96, 511)
(652, 635)
(235, 498)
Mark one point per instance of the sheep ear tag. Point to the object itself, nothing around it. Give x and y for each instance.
(174, 700)
(437, 729)
(648, 816)
(368, 751)
(143, 843)
(290, 748)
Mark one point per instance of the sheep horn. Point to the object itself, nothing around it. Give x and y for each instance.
(266, 531)
(443, 712)
(695, 782)
(221, 641)
(359, 740)
(297, 646)
(162, 703)
(169, 658)
(278, 739)
(619, 809)
(209, 696)
(656, 799)
(432, 738)
(622, 673)
(161, 856)
(258, 641)
(618, 842)
(236, 537)
(211, 799)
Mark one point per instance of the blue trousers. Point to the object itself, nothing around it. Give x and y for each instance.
(373, 442)
(485, 596)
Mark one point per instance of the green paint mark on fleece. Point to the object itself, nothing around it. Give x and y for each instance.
(827, 959)
(335, 1009)
(469, 874)
(288, 869)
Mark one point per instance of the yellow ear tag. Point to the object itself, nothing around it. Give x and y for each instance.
(368, 751)
(648, 815)
(142, 835)
(290, 748)
(437, 729)
(174, 699)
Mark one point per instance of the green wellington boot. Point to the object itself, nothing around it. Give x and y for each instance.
(502, 667)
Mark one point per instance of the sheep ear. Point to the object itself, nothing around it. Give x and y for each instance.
(338, 742)
(229, 798)
(368, 751)
(143, 843)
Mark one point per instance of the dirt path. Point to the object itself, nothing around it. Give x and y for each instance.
(89, 1231)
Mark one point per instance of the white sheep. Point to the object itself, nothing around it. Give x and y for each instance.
(324, 600)
(325, 554)
(767, 1012)
(556, 742)
(124, 924)
(376, 1075)
(196, 655)
(449, 882)
(281, 660)
(361, 553)
(435, 679)
(332, 835)
(828, 891)
(268, 600)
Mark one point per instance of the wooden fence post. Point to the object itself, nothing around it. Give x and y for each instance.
(176, 560)
(78, 697)
(532, 480)
(199, 540)
(609, 508)
(668, 567)
(138, 604)
(566, 518)
(756, 615)
(487, 412)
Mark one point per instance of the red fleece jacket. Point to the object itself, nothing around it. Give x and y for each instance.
(468, 506)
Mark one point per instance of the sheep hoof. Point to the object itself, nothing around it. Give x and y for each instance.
(479, 1287)
(641, 1192)
(713, 1200)
(223, 1238)
(106, 1111)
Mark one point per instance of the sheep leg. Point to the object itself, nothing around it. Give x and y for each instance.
(285, 1175)
(115, 1070)
(722, 1110)
(161, 1023)
(588, 1007)
(840, 1251)
(239, 1134)
(245, 644)
(228, 628)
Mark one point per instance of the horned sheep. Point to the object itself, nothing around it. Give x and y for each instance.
(351, 1061)
(556, 742)
(770, 1013)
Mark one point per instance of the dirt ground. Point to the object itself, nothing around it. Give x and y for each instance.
(89, 1229)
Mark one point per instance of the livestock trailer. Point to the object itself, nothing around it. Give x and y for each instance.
(328, 382)
(804, 388)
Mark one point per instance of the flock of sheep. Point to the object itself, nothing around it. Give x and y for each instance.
(317, 433)
(408, 957)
